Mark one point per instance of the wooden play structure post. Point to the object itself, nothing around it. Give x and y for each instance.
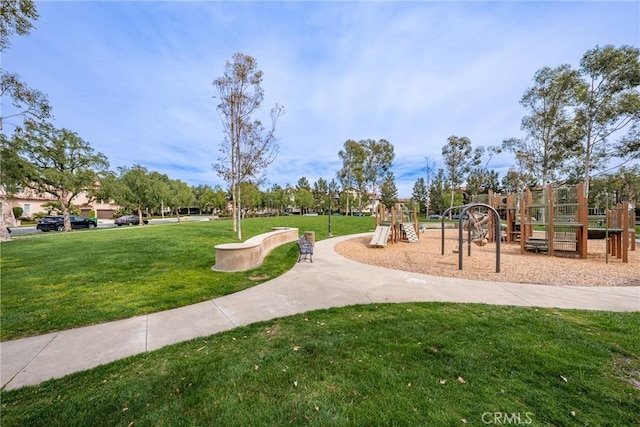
(394, 232)
(526, 230)
(523, 229)
(380, 211)
(401, 224)
(493, 200)
(549, 212)
(614, 232)
(611, 226)
(563, 213)
(583, 218)
(618, 221)
(625, 231)
(632, 228)
(511, 215)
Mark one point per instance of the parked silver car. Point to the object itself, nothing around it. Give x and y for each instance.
(129, 220)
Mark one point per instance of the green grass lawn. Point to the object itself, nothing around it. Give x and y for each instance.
(57, 281)
(427, 364)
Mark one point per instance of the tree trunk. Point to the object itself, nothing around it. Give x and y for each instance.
(587, 167)
(4, 230)
(239, 220)
(234, 208)
(140, 216)
(65, 213)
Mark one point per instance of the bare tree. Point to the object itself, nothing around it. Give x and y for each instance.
(247, 148)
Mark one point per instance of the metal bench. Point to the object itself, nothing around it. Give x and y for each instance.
(305, 249)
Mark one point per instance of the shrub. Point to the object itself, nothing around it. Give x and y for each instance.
(17, 212)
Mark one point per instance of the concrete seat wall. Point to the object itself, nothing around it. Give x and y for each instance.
(251, 253)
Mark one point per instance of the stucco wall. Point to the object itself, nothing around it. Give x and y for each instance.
(251, 253)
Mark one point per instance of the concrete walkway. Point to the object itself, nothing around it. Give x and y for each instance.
(331, 281)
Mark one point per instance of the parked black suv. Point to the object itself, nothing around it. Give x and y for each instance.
(57, 223)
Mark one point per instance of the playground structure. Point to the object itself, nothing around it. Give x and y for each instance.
(620, 231)
(395, 225)
(556, 220)
(473, 218)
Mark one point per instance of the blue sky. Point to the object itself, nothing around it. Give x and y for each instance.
(134, 79)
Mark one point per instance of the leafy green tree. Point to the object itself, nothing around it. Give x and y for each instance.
(166, 198)
(608, 103)
(623, 185)
(180, 195)
(628, 147)
(378, 161)
(348, 200)
(15, 18)
(521, 175)
(216, 199)
(420, 193)
(280, 197)
(209, 199)
(303, 183)
(137, 189)
(430, 171)
(11, 168)
(333, 197)
(515, 181)
(199, 200)
(54, 207)
(268, 199)
(551, 137)
(351, 176)
(475, 181)
(458, 158)
(57, 162)
(17, 211)
(304, 199)
(480, 181)
(248, 148)
(320, 193)
(251, 197)
(28, 103)
(437, 192)
(389, 190)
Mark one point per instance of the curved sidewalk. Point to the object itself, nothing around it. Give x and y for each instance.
(330, 281)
